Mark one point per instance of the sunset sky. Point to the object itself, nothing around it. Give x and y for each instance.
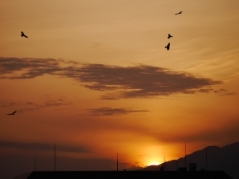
(94, 78)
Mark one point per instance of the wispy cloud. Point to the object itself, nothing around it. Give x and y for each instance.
(48, 103)
(21, 68)
(7, 104)
(119, 82)
(108, 111)
(29, 105)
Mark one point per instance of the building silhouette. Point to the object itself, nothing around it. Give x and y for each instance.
(127, 174)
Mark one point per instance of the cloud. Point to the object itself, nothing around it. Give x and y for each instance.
(140, 81)
(43, 146)
(6, 104)
(29, 106)
(48, 103)
(20, 68)
(107, 111)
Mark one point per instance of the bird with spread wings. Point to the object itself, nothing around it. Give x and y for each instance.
(13, 113)
(169, 36)
(167, 46)
(23, 35)
(179, 13)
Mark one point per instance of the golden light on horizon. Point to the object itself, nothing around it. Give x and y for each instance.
(153, 163)
(154, 155)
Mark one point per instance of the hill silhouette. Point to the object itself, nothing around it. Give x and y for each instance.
(224, 158)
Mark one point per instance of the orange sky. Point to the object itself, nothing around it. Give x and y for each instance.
(94, 79)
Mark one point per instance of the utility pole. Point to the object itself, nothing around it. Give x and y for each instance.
(185, 157)
(35, 162)
(164, 160)
(54, 157)
(163, 156)
(117, 164)
(206, 158)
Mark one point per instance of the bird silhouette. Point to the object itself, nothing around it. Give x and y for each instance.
(23, 35)
(167, 46)
(13, 113)
(169, 36)
(179, 13)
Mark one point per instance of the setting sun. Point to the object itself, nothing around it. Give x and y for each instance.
(153, 163)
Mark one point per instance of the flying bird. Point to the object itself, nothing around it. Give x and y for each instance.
(13, 113)
(23, 35)
(179, 13)
(169, 36)
(167, 46)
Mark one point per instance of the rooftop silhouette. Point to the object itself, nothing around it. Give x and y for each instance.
(127, 174)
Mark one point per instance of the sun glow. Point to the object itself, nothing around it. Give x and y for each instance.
(153, 155)
(153, 163)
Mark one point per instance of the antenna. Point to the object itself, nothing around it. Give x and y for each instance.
(54, 157)
(185, 157)
(117, 164)
(163, 156)
(164, 160)
(35, 162)
(206, 158)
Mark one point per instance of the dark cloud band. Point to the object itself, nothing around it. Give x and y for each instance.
(108, 111)
(43, 146)
(120, 82)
